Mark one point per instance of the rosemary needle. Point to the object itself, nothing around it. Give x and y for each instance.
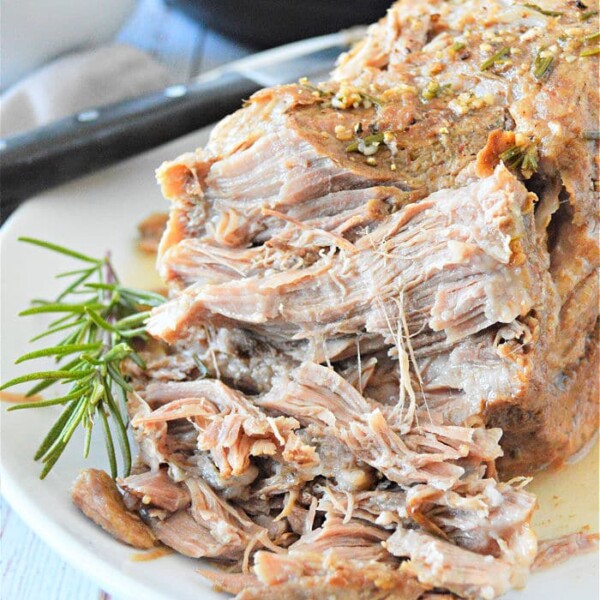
(100, 319)
(590, 52)
(541, 64)
(548, 13)
(500, 56)
(524, 158)
(588, 15)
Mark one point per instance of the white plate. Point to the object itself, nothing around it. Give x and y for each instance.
(93, 215)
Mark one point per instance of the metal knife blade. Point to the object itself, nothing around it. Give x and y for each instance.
(85, 142)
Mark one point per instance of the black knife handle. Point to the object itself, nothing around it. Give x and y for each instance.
(66, 149)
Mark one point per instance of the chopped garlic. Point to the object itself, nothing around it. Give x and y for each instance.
(466, 102)
(397, 92)
(531, 34)
(342, 133)
(346, 97)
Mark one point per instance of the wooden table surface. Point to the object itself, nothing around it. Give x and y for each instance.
(30, 569)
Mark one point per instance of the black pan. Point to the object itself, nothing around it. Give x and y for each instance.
(268, 23)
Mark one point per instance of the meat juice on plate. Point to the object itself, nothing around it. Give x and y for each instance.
(567, 497)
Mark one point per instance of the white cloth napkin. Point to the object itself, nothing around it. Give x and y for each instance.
(78, 82)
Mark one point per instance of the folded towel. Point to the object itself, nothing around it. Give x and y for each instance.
(78, 82)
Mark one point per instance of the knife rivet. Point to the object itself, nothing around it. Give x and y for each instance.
(88, 115)
(176, 91)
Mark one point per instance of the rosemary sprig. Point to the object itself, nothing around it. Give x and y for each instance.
(99, 331)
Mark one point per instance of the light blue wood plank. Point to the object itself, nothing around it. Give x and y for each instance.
(31, 570)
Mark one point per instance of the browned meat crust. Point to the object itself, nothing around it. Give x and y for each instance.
(541, 435)
(97, 496)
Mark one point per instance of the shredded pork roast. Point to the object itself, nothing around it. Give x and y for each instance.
(382, 293)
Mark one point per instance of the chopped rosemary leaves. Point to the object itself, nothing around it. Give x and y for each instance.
(592, 37)
(371, 99)
(588, 15)
(591, 134)
(303, 82)
(498, 57)
(521, 157)
(433, 90)
(375, 138)
(548, 13)
(99, 333)
(590, 52)
(368, 145)
(457, 46)
(541, 65)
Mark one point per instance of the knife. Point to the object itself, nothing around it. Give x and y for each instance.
(71, 147)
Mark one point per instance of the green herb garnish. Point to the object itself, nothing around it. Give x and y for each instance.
(434, 90)
(590, 52)
(524, 158)
(369, 98)
(541, 65)
(100, 320)
(498, 57)
(592, 37)
(457, 46)
(591, 134)
(303, 82)
(588, 15)
(374, 138)
(548, 13)
(367, 145)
